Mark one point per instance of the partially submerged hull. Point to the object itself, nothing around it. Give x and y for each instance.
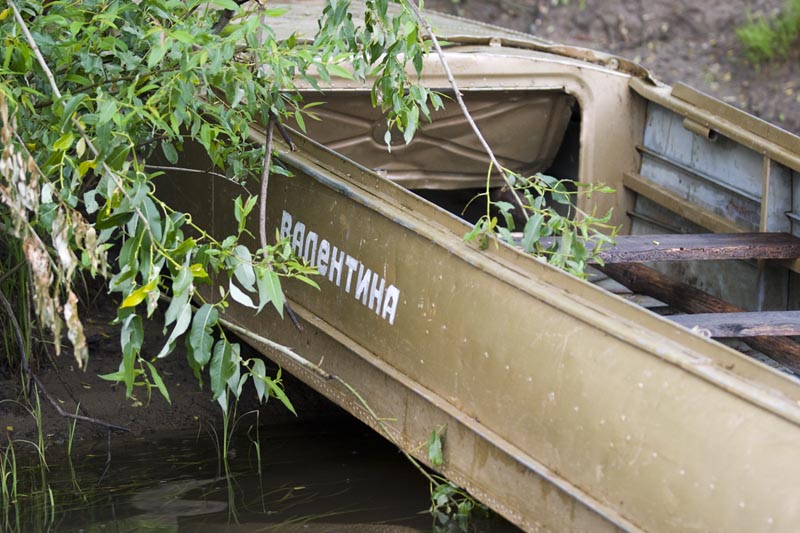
(566, 407)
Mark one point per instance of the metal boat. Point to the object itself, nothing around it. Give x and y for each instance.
(567, 406)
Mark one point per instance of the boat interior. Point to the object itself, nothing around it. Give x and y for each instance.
(704, 192)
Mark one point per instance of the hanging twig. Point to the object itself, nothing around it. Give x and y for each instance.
(262, 200)
(225, 18)
(285, 134)
(272, 120)
(495, 163)
(39, 385)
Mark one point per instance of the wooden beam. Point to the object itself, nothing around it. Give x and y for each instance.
(768, 323)
(688, 299)
(707, 246)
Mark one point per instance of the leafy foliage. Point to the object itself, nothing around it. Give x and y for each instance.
(120, 85)
(452, 508)
(554, 228)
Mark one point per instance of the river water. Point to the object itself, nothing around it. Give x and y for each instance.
(334, 477)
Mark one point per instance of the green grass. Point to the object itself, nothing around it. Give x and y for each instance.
(771, 39)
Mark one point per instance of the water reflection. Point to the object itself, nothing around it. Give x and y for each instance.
(314, 478)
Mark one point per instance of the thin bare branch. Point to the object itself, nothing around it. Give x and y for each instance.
(39, 385)
(194, 171)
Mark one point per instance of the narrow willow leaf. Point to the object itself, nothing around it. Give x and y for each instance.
(532, 232)
(169, 151)
(181, 325)
(176, 305)
(435, 448)
(64, 142)
(70, 107)
(226, 4)
(131, 339)
(221, 368)
(200, 338)
(137, 296)
(244, 269)
(277, 391)
(259, 373)
(241, 297)
(158, 381)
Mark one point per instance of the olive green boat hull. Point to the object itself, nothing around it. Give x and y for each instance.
(566, 408)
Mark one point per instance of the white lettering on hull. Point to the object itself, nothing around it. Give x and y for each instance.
(366, 286)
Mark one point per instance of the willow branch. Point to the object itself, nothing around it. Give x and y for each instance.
(450, 78)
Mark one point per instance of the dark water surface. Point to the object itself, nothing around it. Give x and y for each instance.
(336, 477)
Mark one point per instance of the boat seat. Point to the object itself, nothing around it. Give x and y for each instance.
(743, 324)
(704, 246)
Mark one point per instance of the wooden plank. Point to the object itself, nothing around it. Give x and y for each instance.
(710, 246)
(694, 247)
(770, 323)
(684, 297)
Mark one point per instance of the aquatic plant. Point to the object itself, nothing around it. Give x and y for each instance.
(26, 497)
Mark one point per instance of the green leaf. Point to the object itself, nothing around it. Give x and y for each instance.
(70, 107)
(131, 339)
(137, 296)
(158, 381)
(113, 221)
(221, 368)
(259, 373)
(243, 271)
(198, 272)
(435, 448)
(182, 322)
(64, 142)
(532, 232)
(269, 289)
(240, 296)
(169, 151)
(338, 70)
(277, 391)
(226, 4)
(156, 53)
(106, 111)
(200, 338)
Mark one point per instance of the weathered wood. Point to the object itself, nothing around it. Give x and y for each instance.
(684, 297)
(698, 247)
(768, 323)
(674, 247)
